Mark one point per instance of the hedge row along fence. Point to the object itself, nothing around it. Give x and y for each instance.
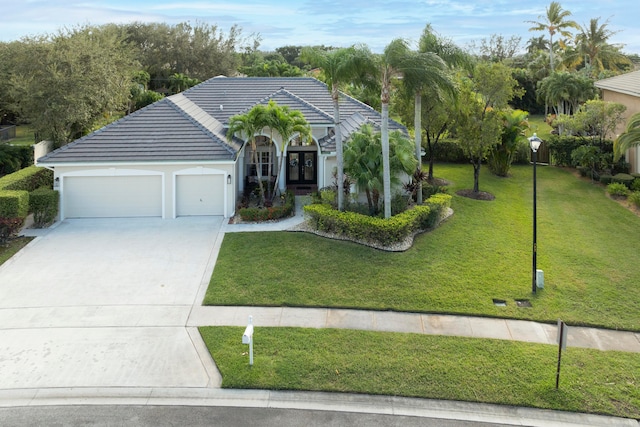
(380, 231)
(23, 192)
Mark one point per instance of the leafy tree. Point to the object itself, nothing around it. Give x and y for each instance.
(200, 51)
(498, 48)
(363, 161)
(339, 66)
(500, 158)
(479, 126)
(595, 119)
(478, 129)
(65, 83)
(629, 138)
(554, 22)
(272, 68)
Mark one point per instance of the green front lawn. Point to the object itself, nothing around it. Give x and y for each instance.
(24, 136)
(452, 368)
(588, 247)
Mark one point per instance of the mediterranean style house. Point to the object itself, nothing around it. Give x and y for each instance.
(173, 158)
(624, 89)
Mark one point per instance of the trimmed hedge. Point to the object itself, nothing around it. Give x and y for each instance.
(623, 178)
(273, 212)
(14, 204)
(27, 179)
(376, 230)
(617, 189)
(43, 203)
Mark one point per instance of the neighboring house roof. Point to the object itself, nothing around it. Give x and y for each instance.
(191, 126)
(628, 83)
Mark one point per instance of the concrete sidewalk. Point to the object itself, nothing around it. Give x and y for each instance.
(429, 324)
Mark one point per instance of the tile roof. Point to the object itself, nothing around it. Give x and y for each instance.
(191, 126)
(628, 83)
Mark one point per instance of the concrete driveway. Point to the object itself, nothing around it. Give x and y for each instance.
(105, 302)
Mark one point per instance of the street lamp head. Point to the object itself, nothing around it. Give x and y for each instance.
(535, 142)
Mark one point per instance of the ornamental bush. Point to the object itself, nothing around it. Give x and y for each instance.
(256, 214)
(43, 203)
(617, 189)
(623, 178)
(634, 198)
(385, 232)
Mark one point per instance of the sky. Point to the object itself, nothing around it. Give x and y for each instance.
(328, 22)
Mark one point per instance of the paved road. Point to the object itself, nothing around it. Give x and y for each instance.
(141, 416)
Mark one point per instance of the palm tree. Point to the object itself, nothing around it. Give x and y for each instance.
(339, 66)
(565, 91)
(363, 162)
(453, 57)
(390, 63)
(592, 45)
(554, 22)
(514, 124)
(248, 126)
(287, 123)
(629, 138)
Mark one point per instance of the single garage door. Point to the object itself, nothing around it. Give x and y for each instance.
(199, 195)
(112, 196)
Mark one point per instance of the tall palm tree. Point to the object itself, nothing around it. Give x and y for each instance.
(431, 77)
(630, 138)
(565, 91)
(554, 22)
(287, 123)
(390, 64)
(248, 126)
(592, 44)
(339, 66)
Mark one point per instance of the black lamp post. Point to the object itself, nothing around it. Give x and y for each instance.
(535, 144)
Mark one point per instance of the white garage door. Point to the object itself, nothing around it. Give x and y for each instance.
(199, 195)
(112, 196)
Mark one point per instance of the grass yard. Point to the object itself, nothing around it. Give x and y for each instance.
(24, 136)
(452, 368)
(538, 125)
(12, 247)
(588, 247)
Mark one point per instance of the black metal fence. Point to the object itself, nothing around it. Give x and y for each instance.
(7, 133)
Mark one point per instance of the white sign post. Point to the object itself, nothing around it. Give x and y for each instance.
(247, 338)
(563, 329)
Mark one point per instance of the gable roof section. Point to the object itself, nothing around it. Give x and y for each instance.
(223, 97)
(162, 131)
(628, 83)
(285, 98)
(191, 126)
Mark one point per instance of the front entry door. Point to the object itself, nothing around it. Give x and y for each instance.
(301, 168)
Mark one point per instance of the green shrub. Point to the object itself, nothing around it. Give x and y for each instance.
(439, 205)
(561, 147)
(399, 203)
(429, 190)
(14, 204)
(272, 212)
(617, 189)
(27, 179)
(623, 178)
(43, 203)
(605, 179)
(377, 230)
(634, 198)
(9, 227)
(635, 184)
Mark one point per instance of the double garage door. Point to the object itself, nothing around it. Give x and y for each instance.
(141, 196)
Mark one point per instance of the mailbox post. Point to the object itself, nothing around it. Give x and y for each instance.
(247, 338)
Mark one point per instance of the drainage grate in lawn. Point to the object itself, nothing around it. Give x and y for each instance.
(523, 303)
(499, 302)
